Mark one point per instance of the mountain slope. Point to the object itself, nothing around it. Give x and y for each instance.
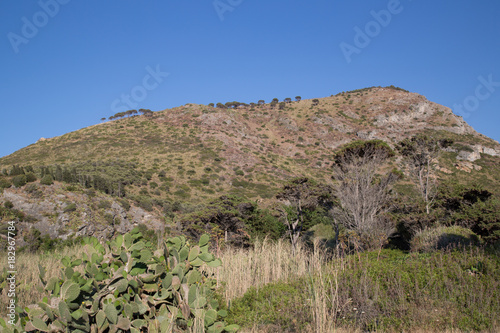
(193, 153)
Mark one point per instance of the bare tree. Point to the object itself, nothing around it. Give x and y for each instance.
(421, 153)
(363, 195)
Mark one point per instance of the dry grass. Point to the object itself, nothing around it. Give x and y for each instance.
(264, 263)
(27, 279)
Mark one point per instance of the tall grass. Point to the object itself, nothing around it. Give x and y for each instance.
(389, 291)
(270, 290)
(266, 262)
(27, 277)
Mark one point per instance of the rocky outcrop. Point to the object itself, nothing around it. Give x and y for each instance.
(475, 153)
(63, 215)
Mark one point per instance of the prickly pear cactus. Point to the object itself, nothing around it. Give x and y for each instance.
(126, 285)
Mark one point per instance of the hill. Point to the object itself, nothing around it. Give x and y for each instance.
(150, 168)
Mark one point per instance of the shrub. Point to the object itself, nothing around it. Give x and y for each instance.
(30, 177)
(8, 204)
(442, 238)
(126, 285)
(70, 208)
(124, 203)
(5, 183)
(104, 204)
(47, 180)
(19, 181)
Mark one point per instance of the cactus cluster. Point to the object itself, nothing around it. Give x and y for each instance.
(126, 285)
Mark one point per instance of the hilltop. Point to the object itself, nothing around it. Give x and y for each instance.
(152, 166)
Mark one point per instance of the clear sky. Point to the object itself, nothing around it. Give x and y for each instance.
(65, 64)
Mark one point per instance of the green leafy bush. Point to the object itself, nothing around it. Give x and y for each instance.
(70, 208)
(19, 181)
(5, 183)
(30, 177)
(47, 180)
(126, 285)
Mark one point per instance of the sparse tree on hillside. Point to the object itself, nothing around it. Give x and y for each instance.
(315, 102)
(282, 105)
(220, 105)
(103, 118)
(211, 104)
(146, 112)
(287, 100)
(421, 153)
(298, 98)
(276, 100)
(363, 195)
(261, 102)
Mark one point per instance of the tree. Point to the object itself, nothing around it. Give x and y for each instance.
(146, 112)
(282, 105)
(287, 100)
(363, 195)
(302, 194)
(211, 104)
(220, 105)
(226, 213)
(315, 102)
(261, 102)
(298, 98)
(103, 118)
(276, 100)
(471, 207)
(273, 104)
(421, 153)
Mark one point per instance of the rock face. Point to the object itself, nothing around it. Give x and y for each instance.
(71, 214)
(476, 152)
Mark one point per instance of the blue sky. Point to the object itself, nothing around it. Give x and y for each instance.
(64, 64)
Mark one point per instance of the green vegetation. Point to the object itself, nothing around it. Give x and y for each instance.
(128, 285)
(390, 291)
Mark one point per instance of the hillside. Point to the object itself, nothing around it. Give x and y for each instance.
(186, 156)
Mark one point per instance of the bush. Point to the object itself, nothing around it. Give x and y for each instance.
(5, 183)
(30, 177)
(47, 180)
(70, 208)
(442, 238)
(19, 181)
(104, 204)
(124, 203)
(127, 285)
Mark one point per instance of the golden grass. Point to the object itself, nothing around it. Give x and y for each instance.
(264, 263)
(27, 277)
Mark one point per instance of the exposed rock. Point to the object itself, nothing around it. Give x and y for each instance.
(466, 166)
(445, 170)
